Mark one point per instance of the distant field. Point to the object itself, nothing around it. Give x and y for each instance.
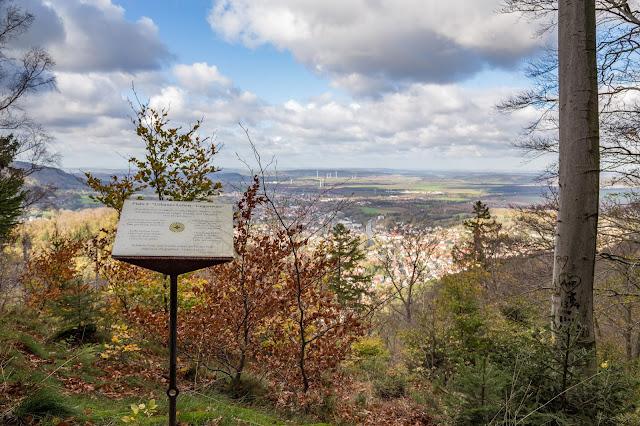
(375, 211)
(446, 191)
(495, 189)
(455, 199)
(433, 200)
(415, 186)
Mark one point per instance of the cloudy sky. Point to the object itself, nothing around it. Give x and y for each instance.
(319, 83)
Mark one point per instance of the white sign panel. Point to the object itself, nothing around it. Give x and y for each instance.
(174, 229)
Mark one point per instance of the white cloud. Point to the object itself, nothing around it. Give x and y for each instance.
(172, 98)
(200, 77)
(414, 120)
(419, 126)
(366, 43)
(93, 35)
(46, 29)
(81, 99)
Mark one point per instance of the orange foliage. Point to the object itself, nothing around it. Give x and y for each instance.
(269, 309)
(389, 413)
(127, 285)
(48, 273)
(311, 334)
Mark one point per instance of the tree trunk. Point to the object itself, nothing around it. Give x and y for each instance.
(579, 169)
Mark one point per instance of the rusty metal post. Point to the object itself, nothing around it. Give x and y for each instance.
(172, 392)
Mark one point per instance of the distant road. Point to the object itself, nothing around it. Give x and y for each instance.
(369, 232)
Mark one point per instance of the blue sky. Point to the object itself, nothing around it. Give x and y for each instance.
(258, 70)
(319, 83)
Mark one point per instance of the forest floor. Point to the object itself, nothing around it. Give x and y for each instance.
(48, 381)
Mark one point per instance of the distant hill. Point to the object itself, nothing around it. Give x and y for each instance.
(72, 181)
(377, 184)
(52, 176)
(224, 176)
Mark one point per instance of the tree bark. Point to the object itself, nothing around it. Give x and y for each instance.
(579, 170)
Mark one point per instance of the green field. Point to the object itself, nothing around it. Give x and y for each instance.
(375, 211)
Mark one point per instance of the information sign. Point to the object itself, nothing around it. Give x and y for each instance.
(174, 229)
(174, 237)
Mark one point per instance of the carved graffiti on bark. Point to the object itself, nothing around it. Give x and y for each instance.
(562, 261)
(569, 282)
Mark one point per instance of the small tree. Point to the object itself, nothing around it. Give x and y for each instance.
(349, 280)
(405, 262)
(11, 180)
(311, 333)
(485, 237)
(177, 164)
(49, 272)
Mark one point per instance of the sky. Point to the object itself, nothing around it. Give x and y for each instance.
(405, 84)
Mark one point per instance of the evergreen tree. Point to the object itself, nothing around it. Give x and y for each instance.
(346, 281)
(485, 233)
(11, 180)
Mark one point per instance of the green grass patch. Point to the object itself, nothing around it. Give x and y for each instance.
(33, 346)
(43, 404)
(454, 199)
(374, 210)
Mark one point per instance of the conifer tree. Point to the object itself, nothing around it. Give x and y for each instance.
(345, 281)
(11, 180)
(484, 230)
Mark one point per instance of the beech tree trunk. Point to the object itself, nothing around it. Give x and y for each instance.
(579, 170)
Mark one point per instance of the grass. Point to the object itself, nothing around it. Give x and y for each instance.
(194, 409)
(47, 382)
(444, 188)
(374, 210)
(33, 346)
(43, 403)
(454, 199)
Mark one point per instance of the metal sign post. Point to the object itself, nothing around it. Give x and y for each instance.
(174, 237)
(172, 392)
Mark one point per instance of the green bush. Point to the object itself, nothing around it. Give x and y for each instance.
(77, 308)
(527, 388)
(370, 355)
